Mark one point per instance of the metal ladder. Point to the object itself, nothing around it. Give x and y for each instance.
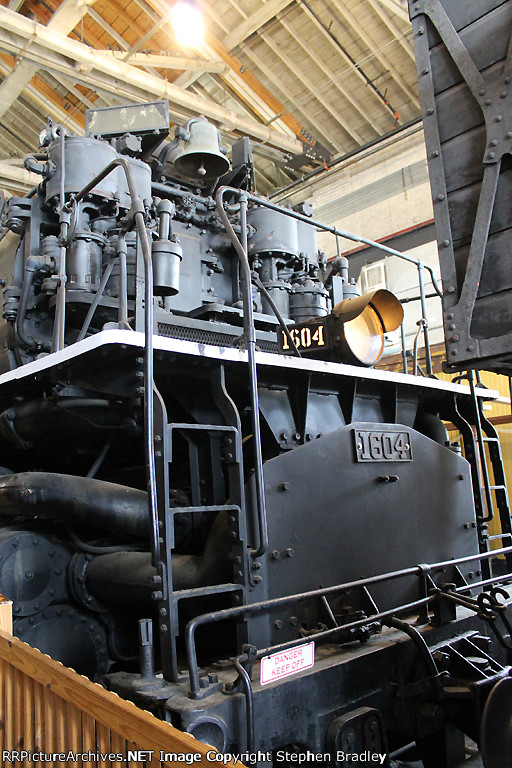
(225, 445)
(489, 497)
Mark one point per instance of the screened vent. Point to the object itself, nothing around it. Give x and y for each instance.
(373, 276)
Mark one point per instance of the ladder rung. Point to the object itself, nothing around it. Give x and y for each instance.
(496, 487)
(210, 508)
(215, 589)
(490, 440)
(203, 427)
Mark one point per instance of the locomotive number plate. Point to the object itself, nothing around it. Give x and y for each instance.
(382, 446)
(311, 336)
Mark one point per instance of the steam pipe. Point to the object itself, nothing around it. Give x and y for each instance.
(138, 212)
(32, 264)
(75, 500)
(97, 296)
(64, 218)
(339, 233)
(128, 577)
(250, 340)
(122, 316)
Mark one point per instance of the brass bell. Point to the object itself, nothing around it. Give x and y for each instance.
(201, 158)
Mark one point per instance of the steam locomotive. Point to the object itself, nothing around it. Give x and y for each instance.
(210, 500)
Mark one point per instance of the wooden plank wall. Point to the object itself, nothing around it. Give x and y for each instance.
(46, 707)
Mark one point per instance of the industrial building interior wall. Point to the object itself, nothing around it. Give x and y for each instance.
(380, 193)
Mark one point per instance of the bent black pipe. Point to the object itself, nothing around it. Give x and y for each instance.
(76, 500)
(127, 577)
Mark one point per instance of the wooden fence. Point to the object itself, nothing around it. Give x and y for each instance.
(49, 709)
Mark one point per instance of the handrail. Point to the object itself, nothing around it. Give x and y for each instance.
(418, 570)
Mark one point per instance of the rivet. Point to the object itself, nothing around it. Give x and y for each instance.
(454, 352)
(284, 486)
(493, 143)
(430, 111)
(482, 91)
(469, 348)
(451, 289)
(425, 71)
(421, 31)
(449, 316)
(488, 102)
(491, 155)
(509, 135)
(452, 327)
(498, 118)
(503, 94)
(507, 80)
(435, 153)
(440, 197)
(278, 624)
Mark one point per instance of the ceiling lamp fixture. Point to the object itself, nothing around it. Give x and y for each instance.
(188, 24)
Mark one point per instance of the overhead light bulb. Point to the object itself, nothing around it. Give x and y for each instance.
(188, 24)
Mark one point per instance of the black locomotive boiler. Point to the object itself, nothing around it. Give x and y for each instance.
(209, 499)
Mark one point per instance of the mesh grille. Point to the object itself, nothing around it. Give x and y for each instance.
(200, 336)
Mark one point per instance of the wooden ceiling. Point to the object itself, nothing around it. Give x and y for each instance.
(307, 80)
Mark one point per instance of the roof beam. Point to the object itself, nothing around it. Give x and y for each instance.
(333, 82)
(47, 45)
(395, 30)
(314, 91)
(351, 20)
(398, 7)
(17, 179)
(353, 68)
(167, 62)
(254, 22)
(46, 97)
(297, 107)
(241, 72)
(64, 20)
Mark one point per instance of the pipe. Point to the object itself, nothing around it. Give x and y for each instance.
(75, 500)
(250, 342)
(149, 427)
(128, 577)
(32, 264)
